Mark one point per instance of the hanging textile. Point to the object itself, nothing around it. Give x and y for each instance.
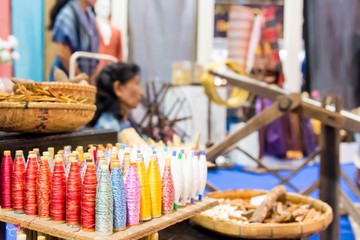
(28, 27)
(5, 31)
(333, 48)
(239, 33)
(161, 32)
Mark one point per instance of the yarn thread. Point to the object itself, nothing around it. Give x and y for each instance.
(104, 203)
(18, 183)
(132, 186)
(58, 191)
(119, 197)
(88, 198)
(44, 188)
(30, 203)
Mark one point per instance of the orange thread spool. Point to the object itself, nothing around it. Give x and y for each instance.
(6, 179)
(58, 191)
(18, 182)
(73, 194)
(44, 188)
(30, 205)
(88, 198)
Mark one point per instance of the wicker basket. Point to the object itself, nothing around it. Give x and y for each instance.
(75, 89)
(267, 230)
(44, 116)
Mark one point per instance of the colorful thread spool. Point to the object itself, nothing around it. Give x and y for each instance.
(18, 182)
(44, 188)
(155, 188)
(88, 198)
(73, 194)
(168, 192)
(30, 205)
(145, 202)
(195, 184)
(58, 191)
(119, 196)
(104, 203)
(202, 174)
(132, 187)
(6, 179)
(178, 177)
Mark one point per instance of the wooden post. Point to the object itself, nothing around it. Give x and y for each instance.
(330, 174)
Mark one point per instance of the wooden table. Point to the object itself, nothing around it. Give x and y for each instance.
(136, 232)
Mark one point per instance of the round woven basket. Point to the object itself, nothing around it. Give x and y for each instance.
(44, 116)
(268, 230)
(87, 92)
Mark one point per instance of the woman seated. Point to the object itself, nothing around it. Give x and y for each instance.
(118, 92)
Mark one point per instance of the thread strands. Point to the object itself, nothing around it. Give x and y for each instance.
(145, 202)
(88, 199)
(104, 203)
(6, 179)
(132, 186)
(30, 205)
(44, 188)
(73, 194)
(168, 192)
(119, 197)
(155, 188)
(58, 191)
(18, 183)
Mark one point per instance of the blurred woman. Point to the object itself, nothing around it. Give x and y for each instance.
(73, 27)
(118, 92)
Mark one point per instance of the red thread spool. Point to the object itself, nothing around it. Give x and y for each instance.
(88, 198)
(73, 194)
(6, 179)
(44, 188)
(18, 182)
(30, 205)
(58, 191)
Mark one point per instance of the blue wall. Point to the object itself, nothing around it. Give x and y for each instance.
(28, 27)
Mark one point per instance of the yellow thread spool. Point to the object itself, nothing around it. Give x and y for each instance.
(155, 188)
(145, 202)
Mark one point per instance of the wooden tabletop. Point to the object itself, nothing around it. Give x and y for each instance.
(136, 232)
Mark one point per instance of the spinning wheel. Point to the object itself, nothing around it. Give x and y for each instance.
(164, 112)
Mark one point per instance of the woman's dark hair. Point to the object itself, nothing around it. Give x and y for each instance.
(54, 12)
(106, 99)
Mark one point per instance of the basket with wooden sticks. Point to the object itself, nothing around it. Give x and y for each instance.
(280, 216)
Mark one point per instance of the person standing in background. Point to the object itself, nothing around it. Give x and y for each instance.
(73, 27)
(109, 35)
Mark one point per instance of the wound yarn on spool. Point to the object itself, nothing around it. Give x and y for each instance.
(104, 203)
(132, 186)
(44, 188)
(168, 192)
(6, 179)
(18, 183)
(58, 191)
(145, 202)
(119, 196)
(30, 204)
(88, 198)
(73, 194)
(155, 188)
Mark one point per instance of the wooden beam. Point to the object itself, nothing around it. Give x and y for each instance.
(310, 108)
(261, 120)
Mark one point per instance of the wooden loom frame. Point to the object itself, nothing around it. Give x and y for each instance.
(332, 118)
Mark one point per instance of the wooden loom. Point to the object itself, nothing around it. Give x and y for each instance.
(332, 118)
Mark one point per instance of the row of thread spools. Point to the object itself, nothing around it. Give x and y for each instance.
(104, 189)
